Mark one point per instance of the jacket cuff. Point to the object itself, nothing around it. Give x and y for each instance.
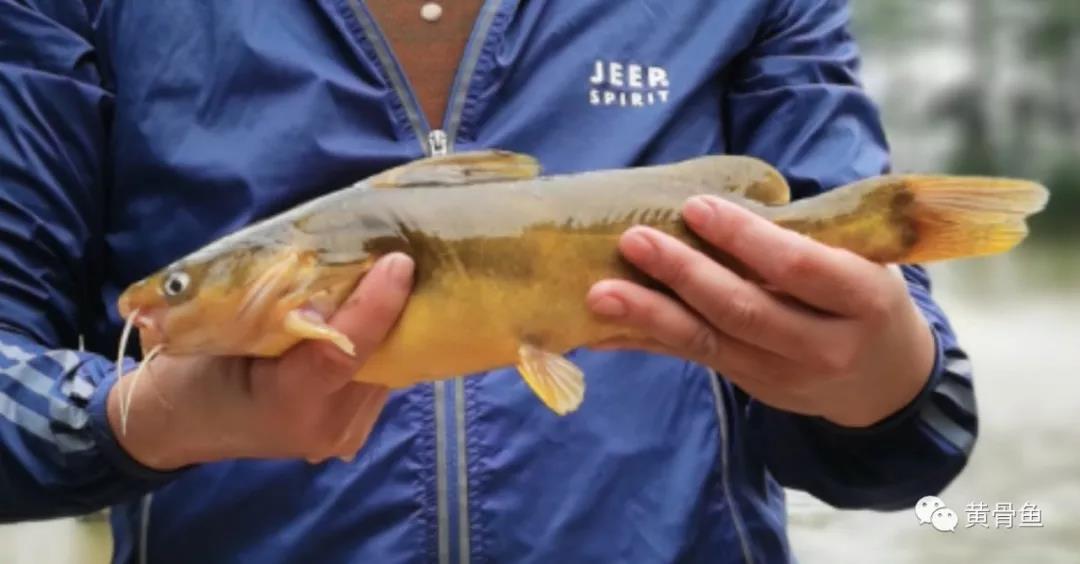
(107, 443)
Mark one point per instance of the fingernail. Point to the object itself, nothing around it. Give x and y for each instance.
(697, 211)
(637, 245)
(400, 269)
(609, 306)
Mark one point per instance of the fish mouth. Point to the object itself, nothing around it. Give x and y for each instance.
(132, 299)
(151, 330)
(148, 319)
(147, 322)
(144, 304)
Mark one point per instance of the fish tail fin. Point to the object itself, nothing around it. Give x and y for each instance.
(959, 217)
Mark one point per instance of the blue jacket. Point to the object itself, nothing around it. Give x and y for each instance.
(133, 132)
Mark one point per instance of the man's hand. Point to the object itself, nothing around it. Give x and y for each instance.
(302, 404)
(827, 333)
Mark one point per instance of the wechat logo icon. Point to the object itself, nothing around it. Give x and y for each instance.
(931, 510)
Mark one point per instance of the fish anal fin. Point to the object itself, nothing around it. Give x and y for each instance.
(559, 383)
(457, 169)
(308, 324)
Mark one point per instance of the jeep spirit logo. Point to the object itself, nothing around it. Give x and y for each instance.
(627, 85)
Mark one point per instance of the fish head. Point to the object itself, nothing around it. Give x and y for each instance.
(226, 303)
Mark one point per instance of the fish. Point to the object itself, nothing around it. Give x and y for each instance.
(504, 257)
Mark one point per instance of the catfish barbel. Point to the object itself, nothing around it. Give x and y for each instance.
(504, 257)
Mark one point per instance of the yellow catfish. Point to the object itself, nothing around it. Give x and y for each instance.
(504, 257)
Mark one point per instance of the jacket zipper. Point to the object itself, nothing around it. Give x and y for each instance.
(451, 458)
(437, 145)
(725, 469)
(447, 435)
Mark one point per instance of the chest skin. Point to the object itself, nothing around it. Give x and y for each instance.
(428, 52)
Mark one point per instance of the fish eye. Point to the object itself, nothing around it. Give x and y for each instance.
(175, 284)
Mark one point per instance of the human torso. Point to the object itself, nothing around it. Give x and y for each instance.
(226, 113)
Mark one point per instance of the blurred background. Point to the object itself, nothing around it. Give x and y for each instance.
(987, 87)
(966, 86)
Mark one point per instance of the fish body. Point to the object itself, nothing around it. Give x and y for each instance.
(504, 257)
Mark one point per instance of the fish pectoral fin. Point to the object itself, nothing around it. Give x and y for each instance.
(308, 324)
(559, 383)
(459, 168)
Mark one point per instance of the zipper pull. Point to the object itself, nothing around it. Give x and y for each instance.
(437, 142)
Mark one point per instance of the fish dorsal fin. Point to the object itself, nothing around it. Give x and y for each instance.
(738, 175)
(459, 168)
(558, 382)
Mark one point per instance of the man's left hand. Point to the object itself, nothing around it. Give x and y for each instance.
(826, 333)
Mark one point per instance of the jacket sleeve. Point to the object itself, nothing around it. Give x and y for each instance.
(795, 101)
(58, 455)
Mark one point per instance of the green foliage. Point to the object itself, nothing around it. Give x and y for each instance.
(883, 23)
(1027, 127)
(1063, 212)
(1055, 30)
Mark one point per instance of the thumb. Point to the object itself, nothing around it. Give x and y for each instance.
(366, 317)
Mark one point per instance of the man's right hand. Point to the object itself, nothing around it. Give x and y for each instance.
(303, 404)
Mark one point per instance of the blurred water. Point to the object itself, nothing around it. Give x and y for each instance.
(60, 541)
